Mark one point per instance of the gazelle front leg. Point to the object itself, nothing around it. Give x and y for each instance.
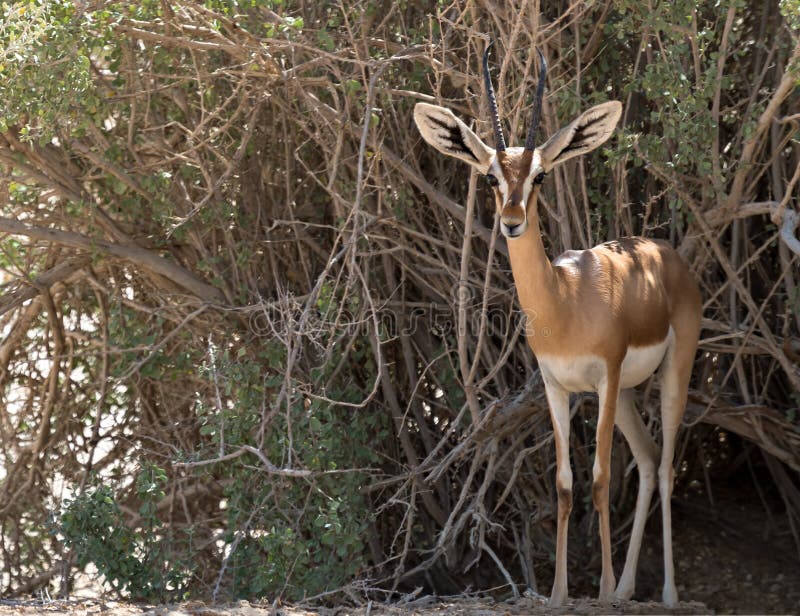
(558, 399)
(609, 393)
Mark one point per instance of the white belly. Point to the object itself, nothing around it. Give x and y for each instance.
(585, 372)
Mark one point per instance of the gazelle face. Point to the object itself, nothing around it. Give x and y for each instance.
(515, 175)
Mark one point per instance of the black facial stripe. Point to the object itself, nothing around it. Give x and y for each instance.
(454, 136)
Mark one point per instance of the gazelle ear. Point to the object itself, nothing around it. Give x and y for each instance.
(583, 134)
(444, 131)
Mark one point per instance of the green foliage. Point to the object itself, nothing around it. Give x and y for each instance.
(138, 561)
(790, 9)
(45, 68)
(678, 100)
(289, 536)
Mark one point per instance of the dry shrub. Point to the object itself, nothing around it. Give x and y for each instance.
(228, 256)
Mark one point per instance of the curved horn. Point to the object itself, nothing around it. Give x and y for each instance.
(499, 141)
(530, 142)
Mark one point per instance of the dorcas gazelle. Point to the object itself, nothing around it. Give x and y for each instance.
(611, 316)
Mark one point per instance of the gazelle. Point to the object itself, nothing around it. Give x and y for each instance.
(605, 320)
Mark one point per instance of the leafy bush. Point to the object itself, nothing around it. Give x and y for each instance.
(287, 536)
(139, 563)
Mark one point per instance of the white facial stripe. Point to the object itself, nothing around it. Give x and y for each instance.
(536, 162)
(502, 186)
(534, 170)
(536, 165)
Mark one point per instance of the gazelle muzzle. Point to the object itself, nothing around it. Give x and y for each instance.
(513, 220)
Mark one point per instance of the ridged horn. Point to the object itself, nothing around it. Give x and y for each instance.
(530, 142)
(499, 141)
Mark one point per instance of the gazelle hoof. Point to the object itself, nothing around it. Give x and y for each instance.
(670, 596)
(623, 594)
(606, 597)
(607, 586)
(557, 599)
(625, 590)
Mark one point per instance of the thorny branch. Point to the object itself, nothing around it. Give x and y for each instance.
(262, 204)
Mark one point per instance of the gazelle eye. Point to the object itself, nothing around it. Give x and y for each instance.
(492, 181)
(540, 178)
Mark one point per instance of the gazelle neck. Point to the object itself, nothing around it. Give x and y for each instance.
(533, 273)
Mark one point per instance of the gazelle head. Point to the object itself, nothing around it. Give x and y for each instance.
(515, 174)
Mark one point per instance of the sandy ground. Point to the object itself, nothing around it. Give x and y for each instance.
(425, 606)
(730, 559)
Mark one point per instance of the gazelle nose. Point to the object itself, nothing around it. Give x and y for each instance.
(513, 230)
(512, 220)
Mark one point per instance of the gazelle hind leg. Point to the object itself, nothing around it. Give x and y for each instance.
(675, 374)
(645, 452)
